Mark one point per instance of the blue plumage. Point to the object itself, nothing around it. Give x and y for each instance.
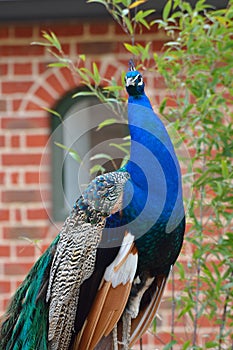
(155, 176)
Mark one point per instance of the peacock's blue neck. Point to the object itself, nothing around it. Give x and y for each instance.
(153, 165)
(141, 100)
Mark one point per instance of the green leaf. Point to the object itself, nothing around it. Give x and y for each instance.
(113, 88)
(143, 14)
(136, 3)
(225, 172)
(98, 1)
(56, 41)
(144, 22)
(96, 168)
(186, 345)
(120, 147)
(71, 152)
(82, 57)
(58, 64)
(106, 122)
(100, 156)
(124, 161)
(84, 93)
(162, 105)
(52, 111)
(51, 37)
(40, 43)
(96, 74)
(211, 344)
(169, 345)
(181, 270)
(128, 25)
(227, 286)
(131, 48)
(166, 10)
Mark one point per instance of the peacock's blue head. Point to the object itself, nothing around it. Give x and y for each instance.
(134, 83)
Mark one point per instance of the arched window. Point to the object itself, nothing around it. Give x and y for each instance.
(78, 130)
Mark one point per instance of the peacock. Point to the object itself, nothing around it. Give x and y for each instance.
(100, 282)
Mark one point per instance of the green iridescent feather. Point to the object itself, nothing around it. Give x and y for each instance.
(27, 314)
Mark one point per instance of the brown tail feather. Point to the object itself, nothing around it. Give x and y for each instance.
(106, 311)
(145, 317)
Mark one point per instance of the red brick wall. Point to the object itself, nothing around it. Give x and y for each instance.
(26, 85)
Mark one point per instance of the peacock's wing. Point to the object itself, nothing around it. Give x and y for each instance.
(111, 297)
(75, 258)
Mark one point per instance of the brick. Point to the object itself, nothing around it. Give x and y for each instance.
(25, 123)
(25, 250)
(18, 282)
(23, 196)
(36, 140)
(21, 159)
(159, 83)
(3, 69)
(2, 177)
(118, 30)
(11, 87)
(37, 214)
(56, 84)
(33, 177)
(66, 30)
(4, 214)
(6, 302)
(164, 338)
(44, 95)
(3, 105)
(4, 32)
(97, 48)
(32, 232)
(21, 50)
(14, 177)
(23, 68)
(32, 106)
(98, 29)
(44, 247)
(157, 45)
(42, 67)
(18, 216)
(110, 72)
(23, 31)
(171, 101)
(18, 268)
(5, 287)
(2, 140)
(15, 141)
(68, 77)
(4, 251)
(120, 49)
(66, 49)
(16, 104)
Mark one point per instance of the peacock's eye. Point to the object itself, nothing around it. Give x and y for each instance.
(140, 80)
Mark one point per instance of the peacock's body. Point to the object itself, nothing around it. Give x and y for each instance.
(106, 271)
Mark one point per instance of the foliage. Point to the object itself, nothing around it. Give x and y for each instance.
(197, 67)
(196, 64)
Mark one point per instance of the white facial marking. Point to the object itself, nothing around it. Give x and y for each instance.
(132, 81)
